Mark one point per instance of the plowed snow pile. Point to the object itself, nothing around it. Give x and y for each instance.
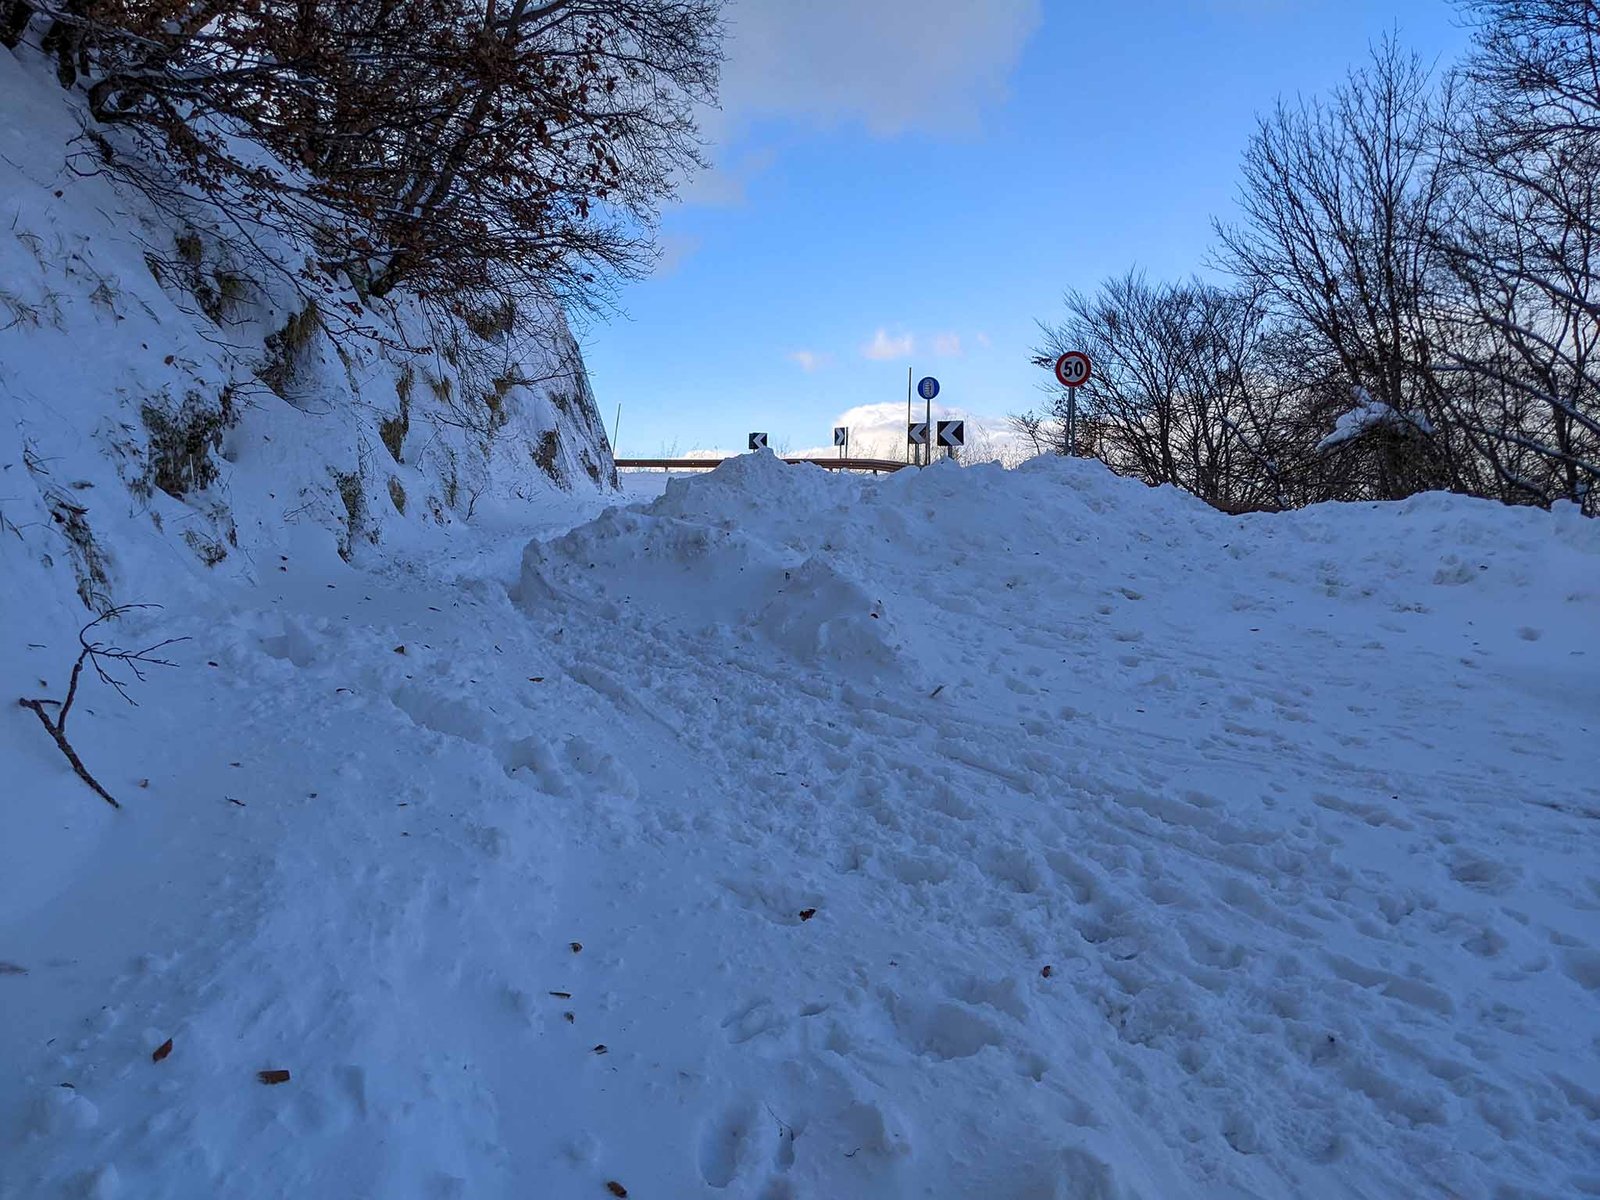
(963, 834)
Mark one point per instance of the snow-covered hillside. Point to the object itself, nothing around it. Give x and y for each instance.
(179, 394)
(787, 837)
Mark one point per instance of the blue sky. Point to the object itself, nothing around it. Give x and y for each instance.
(917, 182)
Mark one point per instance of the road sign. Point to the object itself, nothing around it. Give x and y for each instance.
(1073, 369)
(840, 435)
(758, 441)
(928, 388)
(953, 433)
(917, 433)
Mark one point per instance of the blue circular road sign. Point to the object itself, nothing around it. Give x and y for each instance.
(928, 388)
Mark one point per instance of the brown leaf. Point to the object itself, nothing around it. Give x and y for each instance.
(535, 678)
(616, 1189)
(1047, 971)
(562, 995)
(162, 1051)
(570, 1017)
(600, 1049)
(807, 913)
(273, 1076)
(576, 946)
(399, 649)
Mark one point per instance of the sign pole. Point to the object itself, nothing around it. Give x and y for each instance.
(927, 389)
(908, 411)
(1073, 370)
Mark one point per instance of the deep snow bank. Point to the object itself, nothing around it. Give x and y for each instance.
(1276, 800)
(966, 833)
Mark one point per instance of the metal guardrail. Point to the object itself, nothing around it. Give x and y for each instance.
(874, 465)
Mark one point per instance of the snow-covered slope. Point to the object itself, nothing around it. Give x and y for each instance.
(959, 834)
(179, 399)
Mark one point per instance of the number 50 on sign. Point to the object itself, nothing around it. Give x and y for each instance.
(1073, 369)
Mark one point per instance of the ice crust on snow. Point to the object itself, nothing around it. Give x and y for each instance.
(786, 790)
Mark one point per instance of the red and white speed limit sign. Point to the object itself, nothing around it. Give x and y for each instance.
(1073, 369)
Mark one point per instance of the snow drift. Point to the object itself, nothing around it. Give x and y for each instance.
(789, 837)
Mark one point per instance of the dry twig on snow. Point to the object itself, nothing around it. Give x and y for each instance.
(97, 655)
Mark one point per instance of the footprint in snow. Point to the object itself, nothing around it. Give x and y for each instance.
(741, 1141)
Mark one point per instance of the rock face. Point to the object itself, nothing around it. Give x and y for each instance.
(166, 373)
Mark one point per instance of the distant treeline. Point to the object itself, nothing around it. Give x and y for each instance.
(1414, 295)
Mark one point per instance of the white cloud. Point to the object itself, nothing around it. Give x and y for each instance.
(675, 249)
(890, 66)
(984, 340)
(884, 348)
(810, 360)
(725, 183)
(879, 431)
(947, 345)
(876, 431)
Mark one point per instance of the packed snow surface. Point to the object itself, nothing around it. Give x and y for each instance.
(790, 837)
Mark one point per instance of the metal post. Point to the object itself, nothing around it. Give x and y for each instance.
(1072, 421)
(927, 457)
(908, 413)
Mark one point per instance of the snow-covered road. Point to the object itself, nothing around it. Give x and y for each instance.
(959, 834)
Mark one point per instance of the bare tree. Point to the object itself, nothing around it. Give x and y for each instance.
(1525, 251)
(1339, 202)
(447, 145)
(1418, 301)
(1177, 394)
